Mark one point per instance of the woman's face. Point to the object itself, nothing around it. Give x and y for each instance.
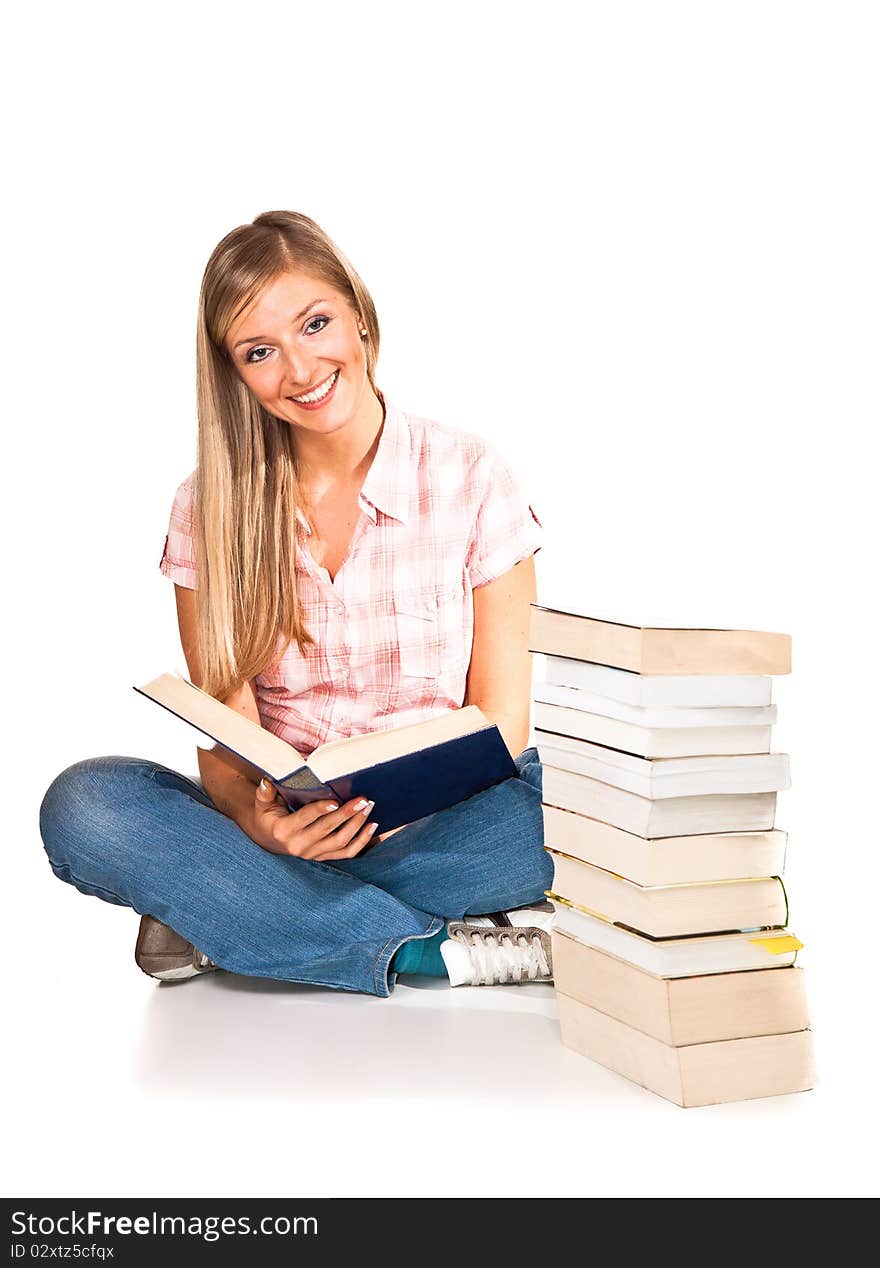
(300, 339)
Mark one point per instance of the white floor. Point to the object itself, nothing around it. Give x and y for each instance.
(228, 1086)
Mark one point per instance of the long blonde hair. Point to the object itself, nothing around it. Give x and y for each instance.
(247, 478)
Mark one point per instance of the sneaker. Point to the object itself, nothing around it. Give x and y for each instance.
(500, 948)
(162, 953)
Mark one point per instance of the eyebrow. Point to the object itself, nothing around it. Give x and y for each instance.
(302, 313)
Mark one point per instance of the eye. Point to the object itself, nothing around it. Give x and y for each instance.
(250, 359)
(311, 323)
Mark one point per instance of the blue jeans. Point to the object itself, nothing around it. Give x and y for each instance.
(138, 834)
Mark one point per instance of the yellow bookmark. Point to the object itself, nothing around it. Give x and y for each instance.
(776, 946)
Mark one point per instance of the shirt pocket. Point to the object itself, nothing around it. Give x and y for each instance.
(429, 629)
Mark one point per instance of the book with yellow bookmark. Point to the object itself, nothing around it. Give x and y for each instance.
(681, 956)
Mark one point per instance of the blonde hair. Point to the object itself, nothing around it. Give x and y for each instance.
(247, 476)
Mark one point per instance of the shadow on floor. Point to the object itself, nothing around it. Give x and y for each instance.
(252, 1039)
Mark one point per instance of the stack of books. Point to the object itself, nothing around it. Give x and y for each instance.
(673, 963)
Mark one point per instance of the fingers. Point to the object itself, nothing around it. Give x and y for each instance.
(353, 813)
(322, 828)
(353, 848)
(335, 831)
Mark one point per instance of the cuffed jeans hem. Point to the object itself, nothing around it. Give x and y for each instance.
(382, 983)
(386, 980)
(63, 872)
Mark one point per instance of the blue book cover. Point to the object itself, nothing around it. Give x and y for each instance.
(419, 783)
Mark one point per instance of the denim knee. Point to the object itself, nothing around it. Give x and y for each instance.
(82, 806)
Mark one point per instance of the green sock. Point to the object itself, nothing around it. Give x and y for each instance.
(421, 955)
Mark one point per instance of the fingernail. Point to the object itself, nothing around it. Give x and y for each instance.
(371, 829)
(332, 806)
(369, 807)
(362, 804)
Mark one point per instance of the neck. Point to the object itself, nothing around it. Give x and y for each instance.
(346, 455)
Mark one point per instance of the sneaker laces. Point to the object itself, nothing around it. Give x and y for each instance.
(499, 956)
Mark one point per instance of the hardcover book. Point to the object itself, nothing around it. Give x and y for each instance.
(695, 1074)
(658, 651)
(669, 911)
(710, 856)
(681, 1010)
(409, 771)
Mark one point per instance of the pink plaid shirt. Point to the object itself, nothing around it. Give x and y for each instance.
(442, 513)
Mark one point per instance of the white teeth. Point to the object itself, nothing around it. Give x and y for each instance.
(319, 392)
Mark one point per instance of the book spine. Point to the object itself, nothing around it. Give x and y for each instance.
(303, 787)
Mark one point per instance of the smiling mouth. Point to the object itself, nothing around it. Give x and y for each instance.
(318, 393)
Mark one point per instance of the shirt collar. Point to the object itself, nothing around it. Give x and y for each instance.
(388, 484)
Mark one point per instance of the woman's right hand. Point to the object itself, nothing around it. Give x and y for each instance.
(321, 830)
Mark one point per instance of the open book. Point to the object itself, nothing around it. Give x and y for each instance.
(409, 771)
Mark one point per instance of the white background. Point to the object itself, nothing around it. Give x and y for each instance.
(633, 244)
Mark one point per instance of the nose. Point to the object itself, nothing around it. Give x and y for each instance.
(298, 370)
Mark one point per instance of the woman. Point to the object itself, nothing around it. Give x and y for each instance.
(339, 567)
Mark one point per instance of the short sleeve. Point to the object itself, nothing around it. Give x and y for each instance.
(507, 529)
(178, 555)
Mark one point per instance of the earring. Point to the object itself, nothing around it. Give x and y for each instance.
(362, 333)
